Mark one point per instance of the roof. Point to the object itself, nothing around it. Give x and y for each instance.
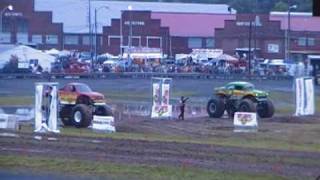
(74, 13)
(241, 83)
(300, 21)
(188, 24)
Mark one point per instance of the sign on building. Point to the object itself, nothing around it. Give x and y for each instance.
(161, 107)
(305, 103)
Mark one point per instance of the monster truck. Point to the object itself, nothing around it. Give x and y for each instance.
(239, 97)
(78, 103)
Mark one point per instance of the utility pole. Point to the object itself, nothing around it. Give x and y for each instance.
(90, 35)
(250, 34)
(130, 31)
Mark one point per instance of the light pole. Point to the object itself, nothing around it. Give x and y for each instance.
(130, 31)
(10, 8)
(287, 54)
(96, 31)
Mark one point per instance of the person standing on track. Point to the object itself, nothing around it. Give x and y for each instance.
(182, 106)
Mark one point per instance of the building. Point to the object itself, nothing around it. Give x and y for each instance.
(116, 26)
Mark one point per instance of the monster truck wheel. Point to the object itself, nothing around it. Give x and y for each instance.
(103, 111)
(215, 108)
(65, 114)
(231, 109)
(247, 105)
(265, 109)
(81, 115)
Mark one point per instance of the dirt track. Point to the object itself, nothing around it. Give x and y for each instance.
(286, 163)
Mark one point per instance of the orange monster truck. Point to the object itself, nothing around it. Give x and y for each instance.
(78, 104)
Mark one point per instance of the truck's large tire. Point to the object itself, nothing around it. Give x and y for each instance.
(65, 115)
(81, 115)
(247, 105)
(265, 109)
(215, 107)
(231, 109)
(103, 111)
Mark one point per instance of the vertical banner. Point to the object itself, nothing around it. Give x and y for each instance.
(305, 102)
(38, 103)
(53, 115)
(165, 94)
(156, 94)
(161, 107)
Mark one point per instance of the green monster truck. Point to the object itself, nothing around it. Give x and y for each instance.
(239, 97)
(78, 103)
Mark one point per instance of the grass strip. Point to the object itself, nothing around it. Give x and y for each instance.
(121, 171)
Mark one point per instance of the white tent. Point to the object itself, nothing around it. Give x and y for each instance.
(227, 57)
(25, 54)
(53, 52)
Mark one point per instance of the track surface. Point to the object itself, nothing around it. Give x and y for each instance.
(163, 153)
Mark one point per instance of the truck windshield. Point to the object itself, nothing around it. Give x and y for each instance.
(83, 88)
(249, 87)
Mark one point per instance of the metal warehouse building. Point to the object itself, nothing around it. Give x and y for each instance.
(171, 27)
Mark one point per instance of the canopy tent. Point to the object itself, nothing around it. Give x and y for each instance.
(227, 57)
(25, 54)
(53, 52)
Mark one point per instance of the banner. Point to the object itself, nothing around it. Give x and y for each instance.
(159, 111)
(245, 122)
(103, 123)
(46, 104)
(156, 94)
(305, 102)
(161, 107)
(165, 94)
(38, 110)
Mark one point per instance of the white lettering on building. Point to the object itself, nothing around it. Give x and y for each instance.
(134, 23)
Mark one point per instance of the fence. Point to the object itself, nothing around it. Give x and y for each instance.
(142, 75)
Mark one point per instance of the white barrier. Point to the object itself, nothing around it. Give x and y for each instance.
(305, 101)
(8, 121)
(103, 123)
(46, 102)
(245, 122)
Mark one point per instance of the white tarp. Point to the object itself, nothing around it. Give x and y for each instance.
(25, 54)
(305, 102)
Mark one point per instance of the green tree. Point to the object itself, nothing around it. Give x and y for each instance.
(280, 6)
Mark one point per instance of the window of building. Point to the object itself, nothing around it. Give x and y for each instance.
(210, 43)
(71, 39)
(5, 37)
(302, 41)
(22, 25)
(86, 40)
(37, 39)
(311, 41)
(194, 42)
(51, 39)
(22, 38)
(6, 24)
